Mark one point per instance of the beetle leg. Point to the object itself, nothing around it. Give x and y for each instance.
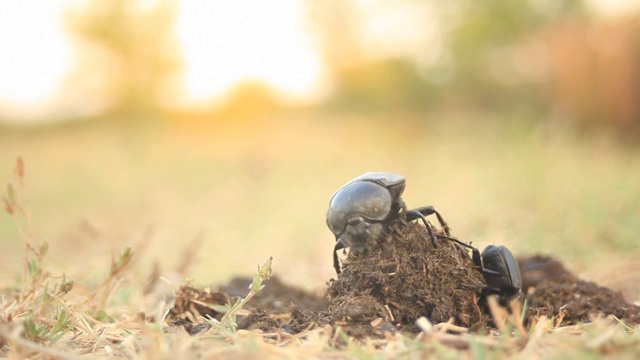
(459, 242)
(413, 214)
(477, 260)
(402, 210)
(336, 262)
(430, 210)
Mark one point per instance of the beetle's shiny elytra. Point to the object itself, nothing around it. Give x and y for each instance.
(501, 271)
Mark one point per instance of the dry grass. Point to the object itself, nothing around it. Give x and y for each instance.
(212, 203)
(73, 325)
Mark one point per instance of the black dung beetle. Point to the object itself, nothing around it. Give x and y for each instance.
(359, 211)
(499, 269)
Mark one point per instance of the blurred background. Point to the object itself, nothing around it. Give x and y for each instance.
(223, 127)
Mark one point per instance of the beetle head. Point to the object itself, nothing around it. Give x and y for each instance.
(359, 234)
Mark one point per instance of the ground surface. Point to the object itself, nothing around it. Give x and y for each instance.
(407, 277)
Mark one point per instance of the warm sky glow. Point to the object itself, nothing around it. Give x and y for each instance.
(225, 42)
(222, 42)
(34, 56)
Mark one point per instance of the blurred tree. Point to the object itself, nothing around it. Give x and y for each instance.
(475, 52)
(487, 43)
(595, 73)
(393, 84)
(369, 72)
(128, 51)
(337, 25)
(529, 57)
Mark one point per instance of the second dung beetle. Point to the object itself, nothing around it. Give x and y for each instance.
(500, 270)
(360, 210)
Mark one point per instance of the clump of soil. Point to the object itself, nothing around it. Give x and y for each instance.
(551, 290)
(277, 295)
(194, 302)
(270, 309)
(538, 269)
(406, 277)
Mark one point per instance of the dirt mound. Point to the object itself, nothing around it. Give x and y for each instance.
(552, 290)
(538, 268)
(406, 277)
(390, 287)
